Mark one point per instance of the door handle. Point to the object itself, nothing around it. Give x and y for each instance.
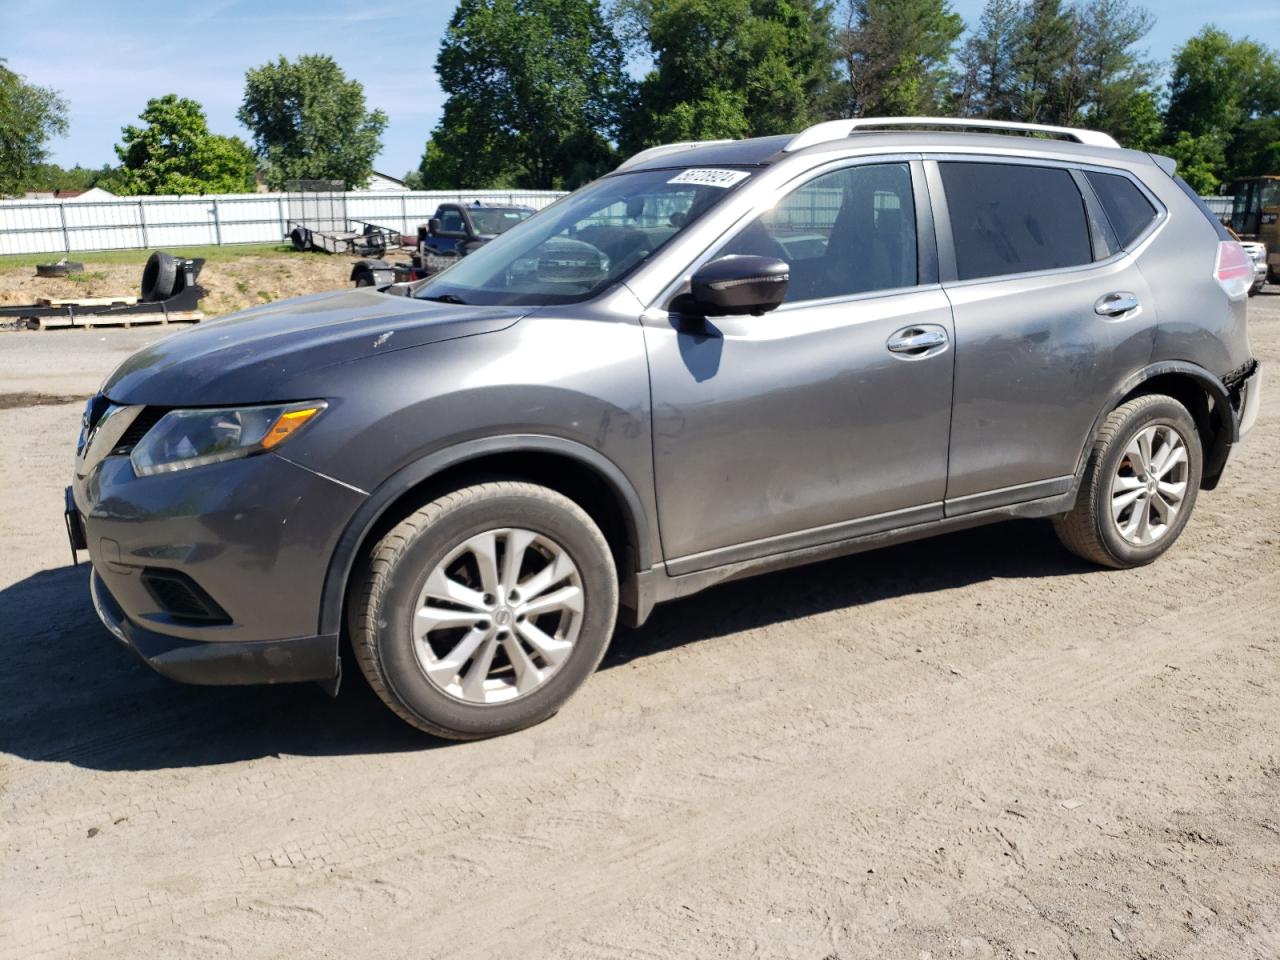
(915, 341)
(1114, 304)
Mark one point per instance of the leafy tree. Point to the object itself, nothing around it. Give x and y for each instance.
(29, 117)
(1223, 118)
(535, 90)
(51, 177)
(309, 121)
(730, 68)
(175, 153)
(895, 56)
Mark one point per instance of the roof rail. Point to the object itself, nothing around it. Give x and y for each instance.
(839, 129)
(655, 152)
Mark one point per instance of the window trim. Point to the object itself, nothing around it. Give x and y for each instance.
(927, 252)
(942, 214)
(1160, 212)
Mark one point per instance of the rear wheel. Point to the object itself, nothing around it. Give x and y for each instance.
(484, 611)
(1139, 486)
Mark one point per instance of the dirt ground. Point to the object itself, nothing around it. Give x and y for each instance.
(231, 284)
(970, 747)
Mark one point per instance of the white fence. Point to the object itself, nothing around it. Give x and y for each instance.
(117, 223)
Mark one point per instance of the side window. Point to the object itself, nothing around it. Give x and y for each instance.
(1013, 218)
(847, 232)
(1126, 206)
(451, 222)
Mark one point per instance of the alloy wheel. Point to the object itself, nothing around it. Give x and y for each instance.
(1150, 484)
(498, 616)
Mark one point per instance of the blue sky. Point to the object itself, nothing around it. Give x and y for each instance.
(107, 57)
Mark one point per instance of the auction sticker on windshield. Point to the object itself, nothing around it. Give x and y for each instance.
(710, 177)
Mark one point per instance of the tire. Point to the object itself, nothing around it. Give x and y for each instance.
(59, 269)
(414, 558)
(1094, 529)
(159, 277)
(300, 237)
(364, 279)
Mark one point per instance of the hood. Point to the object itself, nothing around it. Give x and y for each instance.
(251, 357)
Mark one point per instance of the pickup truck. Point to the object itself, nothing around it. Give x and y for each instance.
(455, 230)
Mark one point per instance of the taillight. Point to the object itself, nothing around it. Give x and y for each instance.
(1234, 269)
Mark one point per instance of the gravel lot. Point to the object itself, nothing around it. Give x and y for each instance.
(974, 746)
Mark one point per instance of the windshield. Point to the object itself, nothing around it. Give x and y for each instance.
(585, 242)
(490, 221)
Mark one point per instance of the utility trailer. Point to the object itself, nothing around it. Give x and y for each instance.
(317, 220)
(169, 294)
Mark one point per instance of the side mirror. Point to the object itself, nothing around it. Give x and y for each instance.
(433, 225)
(733, 286)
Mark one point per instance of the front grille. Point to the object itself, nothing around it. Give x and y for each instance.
(143, 422)
(181, 597)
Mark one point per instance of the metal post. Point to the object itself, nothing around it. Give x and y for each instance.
(62, 216)
(284, 229)
(217, 224)
(404, 214)
(142, 222)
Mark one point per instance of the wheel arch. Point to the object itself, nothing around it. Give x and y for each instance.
(584, 475)
(1205, 397)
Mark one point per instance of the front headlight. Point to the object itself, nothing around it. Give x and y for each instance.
(182, 439)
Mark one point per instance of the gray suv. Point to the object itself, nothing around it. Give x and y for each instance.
(721, 359)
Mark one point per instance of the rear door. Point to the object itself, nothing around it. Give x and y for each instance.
(1051, 314)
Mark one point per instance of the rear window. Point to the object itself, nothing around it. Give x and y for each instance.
(1127, 207)
(1014, 218)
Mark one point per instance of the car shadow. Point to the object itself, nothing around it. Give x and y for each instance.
(70, 693)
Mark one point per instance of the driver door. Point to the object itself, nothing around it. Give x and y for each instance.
(815, 422)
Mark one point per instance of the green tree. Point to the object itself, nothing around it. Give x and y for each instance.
(535, 90)
(309, 122)
(895, 56)
(1223, 118)
(730, 68)
(50, 176)
(1047, 44)
(29, 117)
(1113, 77)
(175, 153)
(988, 74)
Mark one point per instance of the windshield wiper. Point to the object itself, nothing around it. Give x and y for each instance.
(446, 298)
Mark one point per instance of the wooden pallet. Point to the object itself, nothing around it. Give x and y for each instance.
(89, 320)
(87, 301)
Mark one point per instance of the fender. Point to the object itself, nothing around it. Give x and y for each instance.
(390, 490)
(1203, 377)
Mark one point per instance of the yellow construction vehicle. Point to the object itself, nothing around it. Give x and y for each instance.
(1255, 216)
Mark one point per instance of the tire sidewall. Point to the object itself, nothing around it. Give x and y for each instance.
(402, 673)
(1165, 412)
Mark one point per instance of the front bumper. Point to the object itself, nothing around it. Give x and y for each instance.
(254, 536)
(295, 660)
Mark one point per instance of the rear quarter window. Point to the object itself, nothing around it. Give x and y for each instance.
(1014, 218)
(1127, 207)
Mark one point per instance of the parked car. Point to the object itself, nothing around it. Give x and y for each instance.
(1258, 254)
(721, 359)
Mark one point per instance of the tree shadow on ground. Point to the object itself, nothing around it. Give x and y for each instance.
(70, 693)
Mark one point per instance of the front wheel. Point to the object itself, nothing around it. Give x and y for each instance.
(484, 611)
(1139, 485)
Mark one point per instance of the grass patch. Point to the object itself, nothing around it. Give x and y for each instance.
(264, 296)
(86, 277)
(27, 261)
(242, 286)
